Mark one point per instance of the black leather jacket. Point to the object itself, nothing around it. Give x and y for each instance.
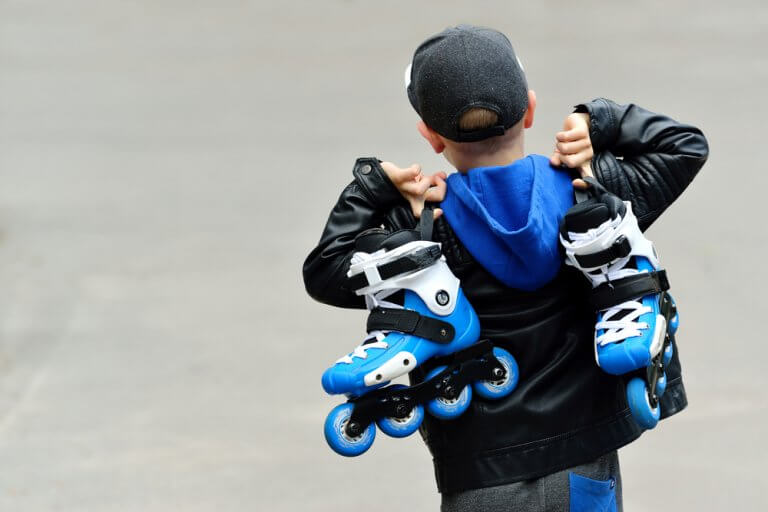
(565, 410)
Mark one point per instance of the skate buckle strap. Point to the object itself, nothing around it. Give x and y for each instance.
(426, 223)
(620, 248)
(416, 260)
(628, 288)
(410, 322)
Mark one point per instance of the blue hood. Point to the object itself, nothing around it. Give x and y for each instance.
(508, 218)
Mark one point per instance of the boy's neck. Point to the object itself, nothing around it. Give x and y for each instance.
(504, 156)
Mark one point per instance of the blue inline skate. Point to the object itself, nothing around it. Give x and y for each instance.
(637, 318)
(418, 312)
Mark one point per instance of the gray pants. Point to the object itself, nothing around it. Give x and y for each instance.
(593, 487)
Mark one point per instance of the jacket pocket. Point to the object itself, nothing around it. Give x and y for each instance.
(588, 495)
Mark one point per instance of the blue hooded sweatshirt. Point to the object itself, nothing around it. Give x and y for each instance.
(508, 218)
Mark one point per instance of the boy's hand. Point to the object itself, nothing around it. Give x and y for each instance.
(416, 187)
(574, 148)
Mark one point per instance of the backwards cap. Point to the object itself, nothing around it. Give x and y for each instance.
(465, 67)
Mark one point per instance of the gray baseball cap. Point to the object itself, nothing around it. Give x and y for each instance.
(465, 67)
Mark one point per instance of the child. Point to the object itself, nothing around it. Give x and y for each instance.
(553, 441)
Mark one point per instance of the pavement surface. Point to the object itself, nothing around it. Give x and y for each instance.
(166, 166)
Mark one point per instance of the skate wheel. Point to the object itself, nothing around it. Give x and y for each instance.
(661, 385)
(338, 440)
(402, 427)
(445, 408)
(668, 352)
(493, 390)
(640, 404)
(674, 322)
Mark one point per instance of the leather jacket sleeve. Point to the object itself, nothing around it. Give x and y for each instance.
(369, 201)
(643, 157)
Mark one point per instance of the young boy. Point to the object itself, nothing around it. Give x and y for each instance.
(552, 443)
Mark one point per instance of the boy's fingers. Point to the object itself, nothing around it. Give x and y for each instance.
(585, 156)
(555, 159)
(416, 207)
(433, 196)
(579, 184)
(437, 177)
(410, 188)
(437, 193)
(416, 188)
(410, 174)
(571, 161)
(571, 135)
(438, 212)
(578, 159)
(569, 148)
(389, 168)
(398, 175)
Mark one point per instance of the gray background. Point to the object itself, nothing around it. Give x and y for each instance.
(165, 167)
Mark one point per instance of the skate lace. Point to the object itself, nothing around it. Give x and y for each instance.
(624, 327)
(621, 321)
(371, 301)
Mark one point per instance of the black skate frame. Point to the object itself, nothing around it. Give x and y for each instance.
(474, 363)
(655, 370)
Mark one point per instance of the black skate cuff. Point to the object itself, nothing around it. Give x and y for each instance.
(612, 293)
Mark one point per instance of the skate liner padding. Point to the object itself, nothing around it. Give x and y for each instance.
(410, 262)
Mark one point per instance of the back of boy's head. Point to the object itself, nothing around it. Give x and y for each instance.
(467, 84)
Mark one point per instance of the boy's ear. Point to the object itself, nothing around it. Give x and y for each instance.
(432, 137)
(528, 117)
